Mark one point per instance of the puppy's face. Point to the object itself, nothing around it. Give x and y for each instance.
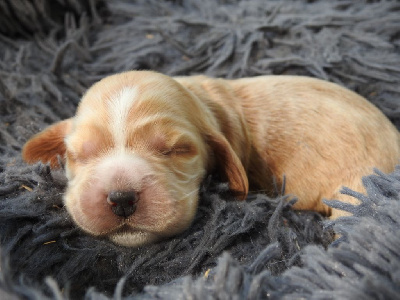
(135, 155)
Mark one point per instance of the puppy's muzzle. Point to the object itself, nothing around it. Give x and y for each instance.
(123, 203)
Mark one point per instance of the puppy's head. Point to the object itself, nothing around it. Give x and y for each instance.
(135, 154)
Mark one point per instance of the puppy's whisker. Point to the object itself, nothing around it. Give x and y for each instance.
(186, 195)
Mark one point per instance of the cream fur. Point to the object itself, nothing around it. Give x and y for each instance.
(317, 134)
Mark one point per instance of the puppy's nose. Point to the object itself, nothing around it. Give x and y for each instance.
(123, 203)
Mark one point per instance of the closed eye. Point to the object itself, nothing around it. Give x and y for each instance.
(178, 150)
(76, 157)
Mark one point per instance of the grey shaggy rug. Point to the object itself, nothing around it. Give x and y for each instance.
(52, 51)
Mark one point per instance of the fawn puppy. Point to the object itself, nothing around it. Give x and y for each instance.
(141, 143)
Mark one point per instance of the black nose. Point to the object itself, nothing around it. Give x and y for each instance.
(123, 203)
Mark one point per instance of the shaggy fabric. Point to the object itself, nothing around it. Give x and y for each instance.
(52, 51)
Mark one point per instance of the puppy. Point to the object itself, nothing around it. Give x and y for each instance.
(141, 143)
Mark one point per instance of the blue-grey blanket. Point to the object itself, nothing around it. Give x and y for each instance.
(52, 51)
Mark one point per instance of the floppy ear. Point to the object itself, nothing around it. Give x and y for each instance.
(232, 167)
(48, 144)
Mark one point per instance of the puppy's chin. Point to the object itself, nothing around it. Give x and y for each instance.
(133, 238)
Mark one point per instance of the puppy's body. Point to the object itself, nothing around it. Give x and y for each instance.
(317, 134)
(152, 139)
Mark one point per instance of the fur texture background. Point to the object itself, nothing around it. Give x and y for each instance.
(52, 51)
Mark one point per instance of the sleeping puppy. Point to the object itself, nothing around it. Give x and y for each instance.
(141, 143)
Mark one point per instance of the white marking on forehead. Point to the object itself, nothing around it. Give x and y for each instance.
(118, 111)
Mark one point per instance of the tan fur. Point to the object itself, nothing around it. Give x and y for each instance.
(318, 135)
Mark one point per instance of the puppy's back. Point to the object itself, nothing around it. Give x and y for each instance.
(319, 135)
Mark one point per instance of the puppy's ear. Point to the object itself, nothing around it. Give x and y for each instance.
(229, 162)
(48, 144)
